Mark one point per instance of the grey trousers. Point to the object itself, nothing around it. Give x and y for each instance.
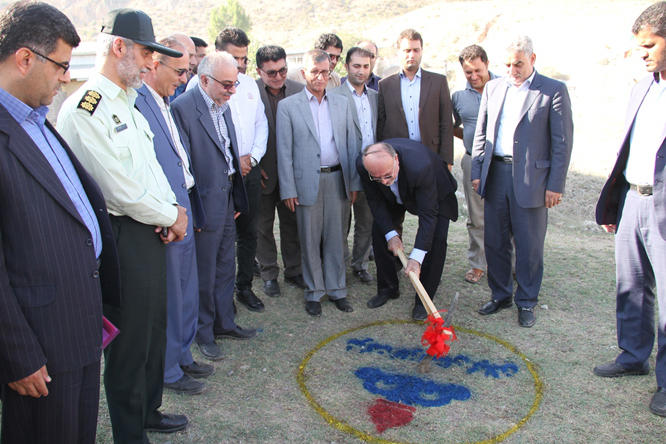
(476, 253)
(362, 234)
(321, 232)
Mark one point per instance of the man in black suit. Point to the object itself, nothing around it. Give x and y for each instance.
(401, 175)
(54, 233)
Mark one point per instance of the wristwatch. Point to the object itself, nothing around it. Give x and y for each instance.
(253, 162)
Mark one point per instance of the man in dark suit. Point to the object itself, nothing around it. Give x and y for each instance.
(401, 175)
(180, 369)
(363, 103)
(633, 205)
(55, 233)
(204, 117)
(520, 157)
(416, 104)
(273, 87)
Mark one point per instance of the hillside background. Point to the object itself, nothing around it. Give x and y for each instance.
(586, 44)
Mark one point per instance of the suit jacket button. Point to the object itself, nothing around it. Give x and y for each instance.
(180, 164)
(225, 171)
(95, 274)
(318, 155)
(184, 185)
(89, 242)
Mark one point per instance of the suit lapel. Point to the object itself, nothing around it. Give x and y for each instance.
(206, 120)
(304, 107)
(147, 97)
(373, 109)
(29, 154)
(532, 94)
(425, 90)
(502, 88)
(350, 97)
(267, 104)
(394, 90)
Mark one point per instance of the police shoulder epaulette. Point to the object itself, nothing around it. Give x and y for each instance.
(90, 101)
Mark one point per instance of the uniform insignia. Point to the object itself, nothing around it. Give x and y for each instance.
(90, 101)
(116, 119)
(120, 128)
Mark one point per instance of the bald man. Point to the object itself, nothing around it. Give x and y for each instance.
(192, 51)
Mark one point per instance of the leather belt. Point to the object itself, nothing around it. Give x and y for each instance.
(331, 169)
(503, 159)
(643, 190)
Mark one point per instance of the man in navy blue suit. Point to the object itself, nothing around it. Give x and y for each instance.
(180, 370)
(633, 206)
(400, 175)
(54, 234)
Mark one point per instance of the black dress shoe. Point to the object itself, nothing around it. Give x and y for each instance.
(210, 351)
(198, 370)
(272, 288)
(313, 308)
(238, 333)
(493, 306)
(297, 281)
(419, 313)
(614, 370)
(382, 298)
(186, 385)
(526, 317)
(257, 269)
(168, 423)
(658, 403)
(364, 276)
(250, 300)
(343, 304)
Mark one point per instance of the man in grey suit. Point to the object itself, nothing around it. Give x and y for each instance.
(203, 115)
(520, 157)
(316, 146)
(363, 103)
(273, 87)
(180, 370)
(632, 206)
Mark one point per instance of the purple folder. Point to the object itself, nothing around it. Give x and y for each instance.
(109, 331)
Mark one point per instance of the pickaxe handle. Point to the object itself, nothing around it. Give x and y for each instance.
(423, 294)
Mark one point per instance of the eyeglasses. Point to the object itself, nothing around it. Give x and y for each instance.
(272, 74)
(334, 57)
(61, 65)
(324, 74)
(226, 86)
(387, 177)
(180, 72)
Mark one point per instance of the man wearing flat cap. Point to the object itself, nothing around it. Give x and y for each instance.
(114, 143)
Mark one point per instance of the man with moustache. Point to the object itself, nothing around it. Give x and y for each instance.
(632, 205)
(520, 158)
(273, 87)
(206, 124)
(114, 143)
(373, 79)
(363, 103)
(331, 44)
(167, 73)
(474, 62)
(415, 103)
(201, 47)
(58, 261)
(316, 146)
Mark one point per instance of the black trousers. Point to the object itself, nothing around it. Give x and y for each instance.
(431, 268)
(246, 230)
(67, 415)
(134, 361)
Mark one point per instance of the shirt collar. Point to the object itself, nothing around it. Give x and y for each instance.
(403, 76)
(20, 111)
(111, 90)
(310, 95)
(162, 102)
(353, 91)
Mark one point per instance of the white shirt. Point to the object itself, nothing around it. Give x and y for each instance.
(510, 117)
(194, 81)
(321, 114)
(417, 255)
(646, 136)
(410, 94)
(364, 113)
(249, 117)
(175, 135)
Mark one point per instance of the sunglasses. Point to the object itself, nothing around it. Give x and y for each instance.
(180, 72)
(61, 65)
(272, 74)
(334, 57)
(226, 86)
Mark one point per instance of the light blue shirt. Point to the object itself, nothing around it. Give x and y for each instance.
(410, 93)
(364, 113)
(321, 114)
(510, 115)
(32, 121)
(417, 255)
(466, 104)
(217, 114)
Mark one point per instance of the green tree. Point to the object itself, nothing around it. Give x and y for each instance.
(229, 14)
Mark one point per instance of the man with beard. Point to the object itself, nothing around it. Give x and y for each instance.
(114, 143)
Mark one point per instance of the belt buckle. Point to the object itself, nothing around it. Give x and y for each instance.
(644, 190)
